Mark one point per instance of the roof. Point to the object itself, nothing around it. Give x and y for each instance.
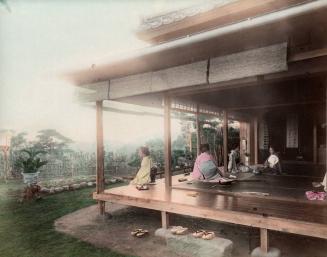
(205, 16)
(293, 24)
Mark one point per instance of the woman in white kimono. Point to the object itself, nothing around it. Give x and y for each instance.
(273, 162)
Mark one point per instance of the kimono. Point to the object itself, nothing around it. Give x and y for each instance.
(324, 183)
(143, 175)
(205, 167)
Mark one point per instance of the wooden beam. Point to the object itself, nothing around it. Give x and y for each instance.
(100, 154)
(198, 130)
(167, 136)
(326, 122)
(286, 225)
(307, 55)
(165, 219)
(224, 13)
(274, 105)
(256, 151)
(264, 240)
(225, 140)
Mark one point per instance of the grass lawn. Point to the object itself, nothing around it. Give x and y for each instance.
(26, 229)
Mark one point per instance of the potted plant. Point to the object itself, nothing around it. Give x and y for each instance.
(30, 163)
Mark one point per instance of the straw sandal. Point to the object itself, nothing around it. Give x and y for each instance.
(178, 230)
(182, 231)
(208, 235)
(198, 234)
(139, 233)
(174, 229)
(192, 194)
(142, 187)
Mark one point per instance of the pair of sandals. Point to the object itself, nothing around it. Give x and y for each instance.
(139, 232)
(182, 179)
(178, 230)
(142, 187)
(206, 235)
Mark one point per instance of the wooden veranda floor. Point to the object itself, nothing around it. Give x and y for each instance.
(279, 211)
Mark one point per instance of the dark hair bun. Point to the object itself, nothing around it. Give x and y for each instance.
(145, 150)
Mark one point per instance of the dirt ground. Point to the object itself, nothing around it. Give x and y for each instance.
(113, 231)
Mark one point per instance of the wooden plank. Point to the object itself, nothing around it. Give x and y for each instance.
(256, 150)
(198, 130)
(266, 106)
(264, 240)
(249, 63)
(269, 187)
(186, 205)
(225, 140)
(165, 220)
(295, 57)
(99, 154)
(167, 142)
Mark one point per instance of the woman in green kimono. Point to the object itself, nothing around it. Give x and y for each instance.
(143, 175)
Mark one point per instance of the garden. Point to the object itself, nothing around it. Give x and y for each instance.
(27, 228)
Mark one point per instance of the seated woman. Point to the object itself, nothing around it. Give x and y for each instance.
(143, 175)
(234, 157)
(205, 167)
(272, 164)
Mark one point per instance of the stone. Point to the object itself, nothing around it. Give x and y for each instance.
(45, 190)
(52, 190)
(119, 179)
(90, 184)
(113, 181)
(58, 189)
(66, 188)
(196, 247)
(273, 252)
(83, 184)
(75, 186)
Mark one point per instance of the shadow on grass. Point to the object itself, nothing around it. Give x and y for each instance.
(27, 229)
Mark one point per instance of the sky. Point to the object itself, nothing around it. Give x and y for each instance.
(39, 40)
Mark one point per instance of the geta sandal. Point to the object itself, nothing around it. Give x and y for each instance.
(208, 235)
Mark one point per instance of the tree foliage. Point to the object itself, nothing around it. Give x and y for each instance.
(53, 142)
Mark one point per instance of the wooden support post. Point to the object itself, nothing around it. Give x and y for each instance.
(100, 154)
(315, 143)
(198, 130)
(264, 240)
(167, 136)
(256, 151)
(165, 220)
(326, 124)
(225, 140)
